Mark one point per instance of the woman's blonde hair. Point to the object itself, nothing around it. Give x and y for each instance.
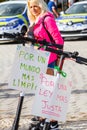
(41, 3)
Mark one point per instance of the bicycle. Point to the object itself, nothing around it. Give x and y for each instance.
(19, 39)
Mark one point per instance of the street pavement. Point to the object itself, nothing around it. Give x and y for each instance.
(77, 109)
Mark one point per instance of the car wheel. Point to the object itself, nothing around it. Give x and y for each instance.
(24, 30)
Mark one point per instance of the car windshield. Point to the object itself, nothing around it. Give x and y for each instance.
(11, 9)
(77, 9)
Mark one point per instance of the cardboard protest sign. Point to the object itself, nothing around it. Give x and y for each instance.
(27, 66)
(52, 97)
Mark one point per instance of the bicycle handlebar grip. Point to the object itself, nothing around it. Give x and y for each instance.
(81, 60)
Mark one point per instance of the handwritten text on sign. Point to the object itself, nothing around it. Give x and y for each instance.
(28, 64)
(52, 97)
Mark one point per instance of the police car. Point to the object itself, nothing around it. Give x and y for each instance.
(73, 22)
(13, 17)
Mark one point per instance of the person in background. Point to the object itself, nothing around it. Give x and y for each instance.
(37, 13)
(52, 5)
(70, 2)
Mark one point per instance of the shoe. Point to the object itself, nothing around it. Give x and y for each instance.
(34, 125)
(39, 125)
(42, 124)
(54, 125)
(35, 120)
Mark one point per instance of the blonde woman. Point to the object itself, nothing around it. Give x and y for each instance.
(43, 26)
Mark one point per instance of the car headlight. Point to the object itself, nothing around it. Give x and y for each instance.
(59, 23)
(13, 23)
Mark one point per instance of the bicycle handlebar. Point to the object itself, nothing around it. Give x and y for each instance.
(73, 55)
(20, 39)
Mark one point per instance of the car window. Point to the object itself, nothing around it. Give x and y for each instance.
(11, 9)
(76, 9)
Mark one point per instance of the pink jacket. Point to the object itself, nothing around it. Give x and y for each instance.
(40, 33)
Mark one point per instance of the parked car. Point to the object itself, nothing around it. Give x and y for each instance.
(13, 17)
(73, 22)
